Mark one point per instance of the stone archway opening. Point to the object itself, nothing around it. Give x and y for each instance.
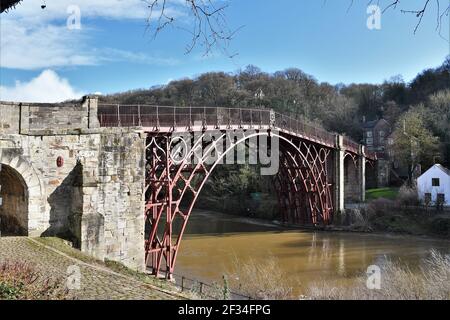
(13, 203)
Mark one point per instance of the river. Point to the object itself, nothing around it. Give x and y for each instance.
(213, 242)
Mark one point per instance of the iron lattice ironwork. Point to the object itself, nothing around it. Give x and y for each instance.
(172, 188)
(303, 183)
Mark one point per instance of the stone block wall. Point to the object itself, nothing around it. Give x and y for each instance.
(9, 118)
(95, 198)
(352, 182)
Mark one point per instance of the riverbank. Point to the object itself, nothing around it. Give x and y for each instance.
(391, 217)
(414, 225)
(388, 210)
(215, 243)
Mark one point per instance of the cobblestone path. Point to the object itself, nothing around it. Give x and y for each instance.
(97, 281)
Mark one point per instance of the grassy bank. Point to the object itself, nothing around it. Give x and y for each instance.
(394, 210)
(386, 193)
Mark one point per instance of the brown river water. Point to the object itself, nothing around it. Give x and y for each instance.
(213, 242)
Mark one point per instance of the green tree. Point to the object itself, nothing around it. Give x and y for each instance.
(413, 143)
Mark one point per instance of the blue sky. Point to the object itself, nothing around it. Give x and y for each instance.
(42, 60)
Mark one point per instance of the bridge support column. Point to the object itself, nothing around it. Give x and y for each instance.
(362, 173)
(339, 174)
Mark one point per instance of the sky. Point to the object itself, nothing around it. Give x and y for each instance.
(46, 57)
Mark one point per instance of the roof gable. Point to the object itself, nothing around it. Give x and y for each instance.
(375, 123)
(447, 171)
(436, 167)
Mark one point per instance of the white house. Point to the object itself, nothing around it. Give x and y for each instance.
(434, 184)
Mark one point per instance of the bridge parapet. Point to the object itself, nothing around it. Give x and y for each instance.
(47, 119)
(351, 145)
(171, 118)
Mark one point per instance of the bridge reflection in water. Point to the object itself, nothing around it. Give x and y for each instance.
(214, 240)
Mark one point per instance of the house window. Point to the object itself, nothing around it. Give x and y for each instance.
(440, 198)
(369, 141)
(381, 134)
(435, 182)
(369, 134)
(427, 197)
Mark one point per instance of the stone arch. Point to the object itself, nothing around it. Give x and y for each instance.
(14, 203)
(22, 172)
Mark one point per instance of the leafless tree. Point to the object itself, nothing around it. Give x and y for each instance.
(209, 30)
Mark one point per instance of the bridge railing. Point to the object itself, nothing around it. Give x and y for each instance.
(371, 155)
(111, 115)
(157, 117)
(351, 145)
(304, 129)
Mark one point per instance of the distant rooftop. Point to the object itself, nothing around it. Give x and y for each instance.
(371, 124)
(440, 166)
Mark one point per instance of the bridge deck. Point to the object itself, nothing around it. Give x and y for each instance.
(168, 118)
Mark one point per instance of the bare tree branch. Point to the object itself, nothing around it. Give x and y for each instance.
(420, 12)
(210, 29)
(6, 5)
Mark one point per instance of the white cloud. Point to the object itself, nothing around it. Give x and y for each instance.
(46, 87)
(110, 54)
(112, 9)
(32, 38)
(41, 47)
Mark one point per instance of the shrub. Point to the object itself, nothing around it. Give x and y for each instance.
(398, 282)
(380, 208)
(441, 226)
(407, 196)
(20, 281)
(262, 281)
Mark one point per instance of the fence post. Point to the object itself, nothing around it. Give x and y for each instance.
(260, 118)
(157, 117)
(139, 116)
(190, 117)
(201, 288)
(182, 283)
(118, 116)
(174, 117)
(204, 117)
(240, 117)
(217, 118)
